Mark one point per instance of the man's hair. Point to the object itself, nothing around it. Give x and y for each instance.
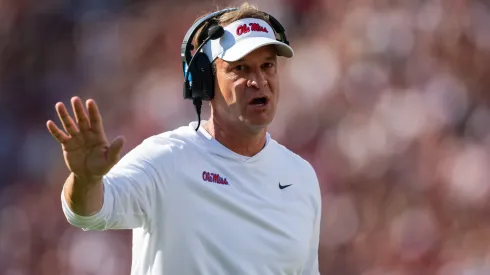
(245, 10)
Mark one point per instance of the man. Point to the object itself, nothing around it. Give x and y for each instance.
(223, 199)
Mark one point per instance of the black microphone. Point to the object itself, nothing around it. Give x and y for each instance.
(214, 32)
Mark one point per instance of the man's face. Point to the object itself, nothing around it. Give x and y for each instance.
(247, 90)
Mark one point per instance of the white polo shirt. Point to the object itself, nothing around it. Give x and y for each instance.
(197, 208)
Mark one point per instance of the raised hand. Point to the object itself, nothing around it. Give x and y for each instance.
(87, 153)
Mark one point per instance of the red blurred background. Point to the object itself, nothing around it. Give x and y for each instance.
(388, 99)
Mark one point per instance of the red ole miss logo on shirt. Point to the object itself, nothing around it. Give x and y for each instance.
(251, 27)
(213, 177)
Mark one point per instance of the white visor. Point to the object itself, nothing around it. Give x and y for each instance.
(242, 37)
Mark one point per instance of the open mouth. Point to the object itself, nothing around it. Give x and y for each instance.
(260, 101)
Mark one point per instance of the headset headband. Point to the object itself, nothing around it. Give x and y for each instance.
(187, 47)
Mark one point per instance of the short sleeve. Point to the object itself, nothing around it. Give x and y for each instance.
(132, 188)
(312, 266)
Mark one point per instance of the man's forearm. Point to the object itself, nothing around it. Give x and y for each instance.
(84, 197)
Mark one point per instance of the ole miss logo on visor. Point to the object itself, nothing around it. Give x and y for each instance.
(251, 27)
(213, 177)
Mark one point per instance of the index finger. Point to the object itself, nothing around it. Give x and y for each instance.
(95, 117)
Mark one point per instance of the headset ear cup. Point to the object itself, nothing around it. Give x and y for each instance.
(206, 77)
(187, 91)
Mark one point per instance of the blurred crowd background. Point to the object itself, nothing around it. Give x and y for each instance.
(388, 99)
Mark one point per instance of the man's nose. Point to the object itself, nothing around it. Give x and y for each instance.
(257, 81)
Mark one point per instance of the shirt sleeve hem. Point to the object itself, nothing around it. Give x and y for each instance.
(95, 221)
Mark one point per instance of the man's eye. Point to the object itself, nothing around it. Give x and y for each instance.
(268, 65)
(239, 68)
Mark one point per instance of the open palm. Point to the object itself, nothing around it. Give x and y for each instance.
(85, 147)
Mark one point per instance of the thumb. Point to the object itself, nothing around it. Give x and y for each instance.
(115, 149)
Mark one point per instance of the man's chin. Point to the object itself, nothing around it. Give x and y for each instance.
(257, 125)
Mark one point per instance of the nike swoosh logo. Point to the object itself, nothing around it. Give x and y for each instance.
(283, 186)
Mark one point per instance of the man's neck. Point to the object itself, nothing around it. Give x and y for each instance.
(243, 142)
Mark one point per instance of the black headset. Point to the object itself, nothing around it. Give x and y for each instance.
(198, 70)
